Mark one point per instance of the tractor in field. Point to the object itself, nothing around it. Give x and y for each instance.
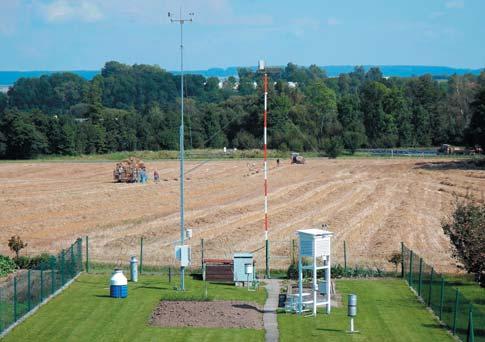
(129, 170)
(297, 159)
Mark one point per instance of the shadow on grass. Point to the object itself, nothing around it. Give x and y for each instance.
(432, 326)
(249, 307)
(152, 288)
(332, 330)
(102, 296)
(220, 283)
(479, 301)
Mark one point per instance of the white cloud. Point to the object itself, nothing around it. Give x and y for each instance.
(454, 4)
(91, 12)
(9, 15)
(332, 21)
(62, 10)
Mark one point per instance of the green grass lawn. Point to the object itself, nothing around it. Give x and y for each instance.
(85, 312)
(387, 310)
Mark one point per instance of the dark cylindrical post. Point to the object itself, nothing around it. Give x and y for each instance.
(471, 329)
(455, 311)
(442, 296)
(202, 253)
(62, 268)
(345, 256)
(420, 284)
(79, 255)
(15, 299)
(293, 261)
(402, 259)
(141, 255)
(267, 259)
(430, 286)
(41, 283)
(1, 310)
(410, 278)
(87, 254)
(73, 264)
(53, 277)
(29, 299)
(169, 274)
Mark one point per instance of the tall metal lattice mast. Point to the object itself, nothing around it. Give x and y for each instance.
(181, 21)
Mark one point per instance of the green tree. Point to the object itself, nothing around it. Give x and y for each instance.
(22, 138)
(3, 102)
(323, 108)
(466, 230)
(332, 146)
(476, 131)
(380, 127)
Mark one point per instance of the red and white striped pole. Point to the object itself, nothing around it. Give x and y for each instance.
(265, 144)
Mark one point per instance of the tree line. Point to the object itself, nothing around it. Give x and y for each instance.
(127, 108)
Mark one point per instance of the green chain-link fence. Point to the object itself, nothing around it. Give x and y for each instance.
(156, 255)
(453, 309)
(29, 288)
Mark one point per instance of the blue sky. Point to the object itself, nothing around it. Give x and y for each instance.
(84, 34)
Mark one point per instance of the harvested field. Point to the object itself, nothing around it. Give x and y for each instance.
(213, 314)
(373, 204)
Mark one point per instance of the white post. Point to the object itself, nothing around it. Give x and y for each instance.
(351, 324)
(328, 282)
(315, 287)
(300, 283)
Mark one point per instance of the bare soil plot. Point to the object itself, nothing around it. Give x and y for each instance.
(213, 314)
(373, 204)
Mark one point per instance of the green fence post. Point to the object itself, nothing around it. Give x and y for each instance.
(455, 312)
(62, 268)
(73, 264)
(141, 255)
(29, 303)
(471, 328)
(79, 263)
(15, 299)
(53, 277)
(420, 284)
(345, 256)
(1, 310)
(202, 253)
(87, 254)
(402, 259)
(410, 278)
(442, 296)
(41, 284)
(430, 286)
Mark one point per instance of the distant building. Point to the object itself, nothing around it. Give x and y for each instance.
(292, 84)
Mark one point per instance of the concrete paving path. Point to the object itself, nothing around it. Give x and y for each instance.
(269, 316)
